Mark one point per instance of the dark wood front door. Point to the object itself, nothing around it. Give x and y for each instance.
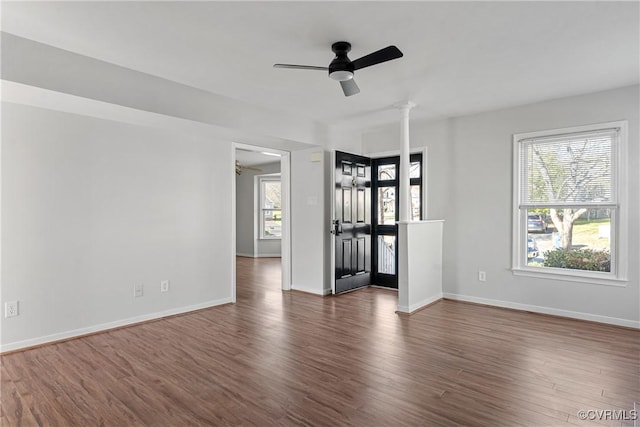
(352, 221)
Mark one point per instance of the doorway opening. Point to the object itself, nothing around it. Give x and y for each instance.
(366, 210)
(261, 220)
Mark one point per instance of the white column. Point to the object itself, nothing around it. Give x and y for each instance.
(405, 190)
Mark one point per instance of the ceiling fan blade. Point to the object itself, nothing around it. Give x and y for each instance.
(300, 67)
(349, 87)
(382, 55)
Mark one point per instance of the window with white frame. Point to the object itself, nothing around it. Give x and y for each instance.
(569, 207)
(270, 207)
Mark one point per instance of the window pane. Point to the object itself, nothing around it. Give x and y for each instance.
(386, 172)
(271, 195)
(272, 223)
(386, 205)
(577, 238)
(568, 201)
(415, 203)
(414, 169)
(387, 254)
(569, 169)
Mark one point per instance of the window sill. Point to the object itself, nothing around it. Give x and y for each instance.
(269, 238)
(593, 278)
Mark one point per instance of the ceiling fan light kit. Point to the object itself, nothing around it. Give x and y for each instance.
(342, 69)
(241, 167)
(341, 76)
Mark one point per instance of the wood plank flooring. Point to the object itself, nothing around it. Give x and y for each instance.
(293, 359)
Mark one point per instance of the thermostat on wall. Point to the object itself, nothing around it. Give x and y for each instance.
(315, 157)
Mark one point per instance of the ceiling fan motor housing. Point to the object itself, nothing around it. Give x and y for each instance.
(341, 68)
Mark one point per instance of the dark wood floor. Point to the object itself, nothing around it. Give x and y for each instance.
(291, 358)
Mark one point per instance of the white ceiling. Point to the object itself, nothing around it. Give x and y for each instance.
(253, 158)
(460, 57)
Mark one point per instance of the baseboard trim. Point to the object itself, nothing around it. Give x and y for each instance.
(278, 255)
(243, 255)
(545, 310)
(309, 291)
(103, 327)
(419, 305)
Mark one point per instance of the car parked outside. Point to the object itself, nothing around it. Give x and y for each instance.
(532, 248)
(537, 222)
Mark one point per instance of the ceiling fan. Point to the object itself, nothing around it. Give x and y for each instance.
(240, 167)
(342, 68)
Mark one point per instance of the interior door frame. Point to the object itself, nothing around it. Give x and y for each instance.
(332, 239)
(285, 180)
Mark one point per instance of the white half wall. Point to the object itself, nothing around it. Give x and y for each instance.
(91, 207)
(419, 264)
(469, 185)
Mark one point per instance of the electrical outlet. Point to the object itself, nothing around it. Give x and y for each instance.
(138, 290)
(482, 276)
(164, 286)
(11, 309)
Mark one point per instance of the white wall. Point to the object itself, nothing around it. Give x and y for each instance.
(341, 139)
(436, 136)
(127, 146)
(469, 185)
(247, 226)
(308, 222)
(92, 207)
(36, 64)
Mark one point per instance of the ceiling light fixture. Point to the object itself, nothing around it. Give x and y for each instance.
(341, 76)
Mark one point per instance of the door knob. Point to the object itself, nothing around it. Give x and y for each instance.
(336, 227)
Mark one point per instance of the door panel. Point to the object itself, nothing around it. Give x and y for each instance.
(361, 206)
(346, 258)
(353, 229)
(346, 205)
(361, 253)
